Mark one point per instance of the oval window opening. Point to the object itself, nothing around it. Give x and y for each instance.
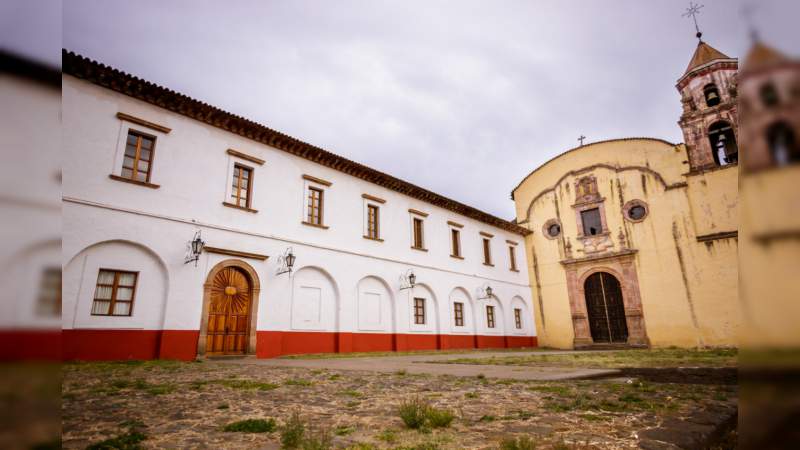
(554, 230)
(637, 212)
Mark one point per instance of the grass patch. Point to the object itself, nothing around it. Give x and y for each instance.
(518, 443)
(471, 395)
(298, 382)
(487, 418)
(128, 441)
(223, 406)
(388, 435)
(251, 426)
(351, 393)
(419, 414)
(247, 384)
(344, 430)
(668, 357)
(334, 377)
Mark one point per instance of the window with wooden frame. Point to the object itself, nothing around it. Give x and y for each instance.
(315, 205)
(490, 316)
(518, 318)
(458, 313)
(114, 293)
(512, 257)
(373, 222)
(242, 185)
(487, 252)
(138, 160)
(455, 238)
(419, 241)
(48, 303)
(419, 311)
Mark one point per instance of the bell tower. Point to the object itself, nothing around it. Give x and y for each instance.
(709, 121)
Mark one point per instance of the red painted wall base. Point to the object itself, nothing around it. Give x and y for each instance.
(97, 345)
(30, 345)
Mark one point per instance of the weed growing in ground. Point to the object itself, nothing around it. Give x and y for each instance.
(251, 426)
(471, 395)
(518, 443)
(292, 431)
(298, 382)
(344, 430)
(388, 435)
(401, 372)
(247, 384)
(223, 406)
(352, 393)
(334, 377)
(487, 418)
(417, 414)
(127, 441)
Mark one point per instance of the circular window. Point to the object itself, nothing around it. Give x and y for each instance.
(635, 210)
(552, 229)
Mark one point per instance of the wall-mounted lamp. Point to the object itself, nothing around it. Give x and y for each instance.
(485, 292)
(285, 262)
(194, 248)
(408, 280)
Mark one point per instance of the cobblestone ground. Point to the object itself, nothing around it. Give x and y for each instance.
(187, 405)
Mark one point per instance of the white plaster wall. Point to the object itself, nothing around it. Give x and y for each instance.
(191, 166)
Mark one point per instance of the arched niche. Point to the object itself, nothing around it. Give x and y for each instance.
(315, 300)
(80, 280)
(526, 318)
(460, 295)
(375, 305)
(482, 315)
(432, 322)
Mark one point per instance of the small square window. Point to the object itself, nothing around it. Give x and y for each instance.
(114, 293)
(592, 224)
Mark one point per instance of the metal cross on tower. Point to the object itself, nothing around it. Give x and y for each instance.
(581, 139)
(692, 11)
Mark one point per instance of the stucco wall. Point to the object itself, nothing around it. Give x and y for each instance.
(688, 289)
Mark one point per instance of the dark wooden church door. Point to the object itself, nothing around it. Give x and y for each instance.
(605, 308)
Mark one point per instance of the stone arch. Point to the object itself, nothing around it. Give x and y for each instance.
(255, 289)
(80, 276)
(373, 285)
(314, 301)
(460, 293)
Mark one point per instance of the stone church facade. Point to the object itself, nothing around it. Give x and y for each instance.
(634, 241)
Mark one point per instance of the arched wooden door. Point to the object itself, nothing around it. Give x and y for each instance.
(229, 313)
(606, 308)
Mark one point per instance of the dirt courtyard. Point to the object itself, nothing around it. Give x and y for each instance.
(166, 404)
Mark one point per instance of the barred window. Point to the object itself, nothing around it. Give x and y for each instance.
(315, 203)
(373, 222)
(518, 318)
(490, 316)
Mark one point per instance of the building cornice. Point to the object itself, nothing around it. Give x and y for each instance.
(101, 75)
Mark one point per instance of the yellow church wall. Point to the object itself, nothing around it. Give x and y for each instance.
(688, 289)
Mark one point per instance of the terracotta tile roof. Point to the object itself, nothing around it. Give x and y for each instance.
(116, 80)
(704, 54)
(761, 56)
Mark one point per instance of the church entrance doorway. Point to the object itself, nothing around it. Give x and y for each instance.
(605, 308)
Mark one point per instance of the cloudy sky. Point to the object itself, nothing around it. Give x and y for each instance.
(461, 97)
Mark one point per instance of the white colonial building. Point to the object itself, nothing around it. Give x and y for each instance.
(379, 264)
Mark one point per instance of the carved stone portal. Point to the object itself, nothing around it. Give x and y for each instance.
(621, 266)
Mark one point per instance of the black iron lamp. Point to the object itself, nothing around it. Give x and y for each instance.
(194, 249)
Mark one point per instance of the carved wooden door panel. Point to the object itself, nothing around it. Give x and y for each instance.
(605, 308)
(229, 313)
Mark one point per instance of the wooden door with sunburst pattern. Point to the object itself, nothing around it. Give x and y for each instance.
(229, 313)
